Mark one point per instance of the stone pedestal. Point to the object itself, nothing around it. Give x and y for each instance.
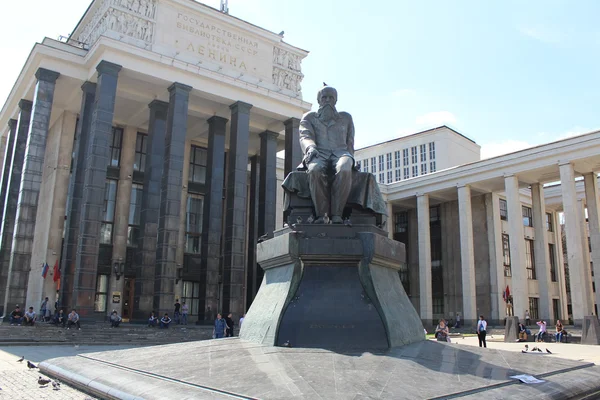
(590, 330)
(511, 329)
(332, 286)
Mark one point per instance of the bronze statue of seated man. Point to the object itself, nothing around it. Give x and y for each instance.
(327, 141)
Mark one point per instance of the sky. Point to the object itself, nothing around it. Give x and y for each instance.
(508, 75)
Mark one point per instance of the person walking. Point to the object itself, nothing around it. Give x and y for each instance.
(230, 325)
(481, 331)
(527, 318)
(43, 309)
(177, 312)
(220, 326)
(185, 310)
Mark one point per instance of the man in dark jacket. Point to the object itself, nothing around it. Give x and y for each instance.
(230, 324)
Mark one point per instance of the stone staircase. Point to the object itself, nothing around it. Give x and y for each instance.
(100, 333)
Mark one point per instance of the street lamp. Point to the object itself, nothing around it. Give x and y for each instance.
(118, 267)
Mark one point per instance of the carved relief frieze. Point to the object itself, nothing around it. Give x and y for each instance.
(287, 70)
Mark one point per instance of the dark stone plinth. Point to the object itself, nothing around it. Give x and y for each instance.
(590, 331)
(511, 329)
(332, 286)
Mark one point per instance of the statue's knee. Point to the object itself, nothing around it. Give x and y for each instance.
(344, 165)
(315, 169)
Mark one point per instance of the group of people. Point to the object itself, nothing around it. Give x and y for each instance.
(442, 331)
(17, 317)
(524, 331)
(180, 316)
(224, 327)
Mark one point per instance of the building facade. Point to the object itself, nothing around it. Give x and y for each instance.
(486, 237)
(417, 154)
(140, 160)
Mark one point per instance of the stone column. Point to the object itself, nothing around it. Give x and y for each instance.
(170, 199)
(293, 151)
(467, 257)
(577, 268)
(10, 199)
(212, 217)
(8, 151)
(254, 275)
(185, 177)
(542, 257)
(146, 251)
(424, 238)
(585, 251)
(390, 220)
(267, 193)
(94, 186)
(591, 199)
(516, 233)
(560, 265)
(234, 260)
(496, 257)
(47, 238)
(75, 193)
(119, 250)
(31, 179)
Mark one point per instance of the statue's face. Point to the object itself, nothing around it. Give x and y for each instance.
(328, 96)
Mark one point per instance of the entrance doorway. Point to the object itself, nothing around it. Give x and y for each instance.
(128, 291)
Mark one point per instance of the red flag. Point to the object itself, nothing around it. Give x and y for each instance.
(507, 292)
(56, 271)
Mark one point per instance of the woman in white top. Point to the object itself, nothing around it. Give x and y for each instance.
(481, 331)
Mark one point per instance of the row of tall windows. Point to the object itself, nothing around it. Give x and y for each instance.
(421, 156)
(527, 214)
(529, 258)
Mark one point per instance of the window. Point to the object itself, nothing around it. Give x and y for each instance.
(552, 262)
(432, 167)
(556, 308)
(438, 305)
(397, 159)
(191, 296)
(432, 151)
(116, 137)
(135, 209)
(365, 165)
(373, 165)
(382, 177)
(423, 168)
(503, 210)
(413, 154)
(415, 170)
(549, 225)
(506, 255)
(534, 309)
(108, 213)
(530, 259)
(140, 152)
(389, 177)
(527, 216)
(101, 293)
(197, 165)
(381, 163)
(423, 149)
(434, 214)
(406, 173)
(398, 175)
(193, 224)
(405, 157)
(401, 222)
(388, 160)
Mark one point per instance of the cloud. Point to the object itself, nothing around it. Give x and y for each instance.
(436, 118)
(541, 34)
(493, 149)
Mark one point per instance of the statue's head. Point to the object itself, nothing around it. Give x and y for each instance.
(327, 95)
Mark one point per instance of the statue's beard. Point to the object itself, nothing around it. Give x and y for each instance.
(327, 112)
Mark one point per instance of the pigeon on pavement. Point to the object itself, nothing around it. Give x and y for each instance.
(548, 351)
(31, 365)
(540, 350)
(56, 385)
(21, 359)
(43, 382)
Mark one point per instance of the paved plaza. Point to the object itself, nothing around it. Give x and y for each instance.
(18, 382)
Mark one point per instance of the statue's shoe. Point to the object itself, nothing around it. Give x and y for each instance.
(336, 219)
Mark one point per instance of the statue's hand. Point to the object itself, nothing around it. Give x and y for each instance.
(311, 153)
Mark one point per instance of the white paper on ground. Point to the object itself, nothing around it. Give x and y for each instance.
(527, 379)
